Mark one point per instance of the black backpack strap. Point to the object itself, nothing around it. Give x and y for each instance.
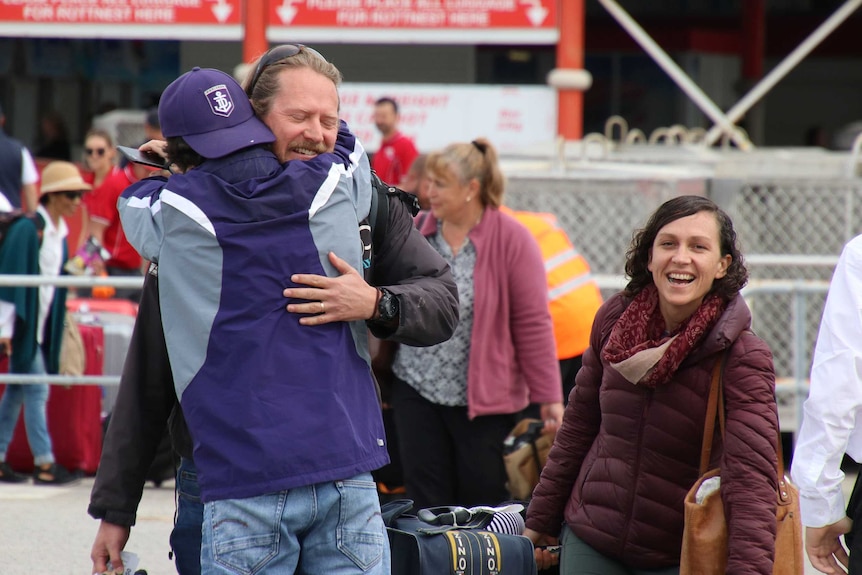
(378, 218)
(379, 210)
(370, 233)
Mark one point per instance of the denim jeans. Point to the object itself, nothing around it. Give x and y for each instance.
(186, 535)
(35, 400)
(332, 528)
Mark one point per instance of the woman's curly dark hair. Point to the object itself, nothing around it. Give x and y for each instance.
(637, 256)
(181, 154)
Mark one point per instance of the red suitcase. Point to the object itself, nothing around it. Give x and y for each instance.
(117, 318)
(74, 417)
(94, 305)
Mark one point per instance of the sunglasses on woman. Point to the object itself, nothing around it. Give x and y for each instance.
(278, 54)
(73, 195)
(95, 151)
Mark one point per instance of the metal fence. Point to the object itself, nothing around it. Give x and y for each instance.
(66, 281)
(796, 302)
(126, 127)
(793, 209)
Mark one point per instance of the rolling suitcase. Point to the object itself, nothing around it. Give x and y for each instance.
(74, 418)
(117, 319)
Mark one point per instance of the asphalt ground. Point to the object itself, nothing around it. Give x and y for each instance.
(45, 529)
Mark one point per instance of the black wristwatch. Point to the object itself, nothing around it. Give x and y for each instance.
(387, 306)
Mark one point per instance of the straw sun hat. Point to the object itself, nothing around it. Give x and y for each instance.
(63, 177)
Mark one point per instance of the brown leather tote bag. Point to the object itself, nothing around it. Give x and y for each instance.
(704, 540)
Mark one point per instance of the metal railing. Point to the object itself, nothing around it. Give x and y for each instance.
(66, 281)
(71, 281)
(791, 391)
(791, 385)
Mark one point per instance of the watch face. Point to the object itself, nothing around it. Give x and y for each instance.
(388, 306)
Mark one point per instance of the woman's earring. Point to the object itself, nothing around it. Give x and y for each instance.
(468, 199)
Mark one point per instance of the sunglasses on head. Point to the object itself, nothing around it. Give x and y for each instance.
(73, 195)
(95, 151)
(277, 54)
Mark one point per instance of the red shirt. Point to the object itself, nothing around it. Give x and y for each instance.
(102, 205)
(392, 161)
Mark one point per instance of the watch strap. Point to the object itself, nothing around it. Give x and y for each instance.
(376, 313)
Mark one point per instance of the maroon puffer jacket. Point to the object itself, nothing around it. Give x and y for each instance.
(626, 455)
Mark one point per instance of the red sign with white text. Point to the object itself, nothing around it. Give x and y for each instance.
(355, 18)
(120, 14)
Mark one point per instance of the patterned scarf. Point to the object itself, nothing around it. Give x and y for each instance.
(641, 351)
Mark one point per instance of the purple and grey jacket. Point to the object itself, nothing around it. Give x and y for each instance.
(270, 404)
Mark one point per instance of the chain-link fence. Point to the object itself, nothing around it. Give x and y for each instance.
(793, 211)
(807, 221)
(126, 127)
(599, 214)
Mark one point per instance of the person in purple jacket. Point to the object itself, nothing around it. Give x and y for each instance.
(454, 403)
(411, 299)
(284, 417)
(629, 448)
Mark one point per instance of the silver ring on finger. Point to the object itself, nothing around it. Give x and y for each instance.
(322, 308)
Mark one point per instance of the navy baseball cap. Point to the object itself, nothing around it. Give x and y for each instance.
(211, 112)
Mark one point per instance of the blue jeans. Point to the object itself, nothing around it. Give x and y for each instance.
(186, 535)
(332, 528)
(35, 400)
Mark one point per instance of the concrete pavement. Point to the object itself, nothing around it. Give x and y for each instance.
(47, 529)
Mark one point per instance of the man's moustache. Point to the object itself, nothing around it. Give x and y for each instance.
(316, 147)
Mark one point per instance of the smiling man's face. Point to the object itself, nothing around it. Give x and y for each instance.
(303, 115)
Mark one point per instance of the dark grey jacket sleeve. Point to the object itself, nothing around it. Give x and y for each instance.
(138, 421)
(410, 268)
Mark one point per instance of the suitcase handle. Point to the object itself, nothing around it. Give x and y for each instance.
(392, 510)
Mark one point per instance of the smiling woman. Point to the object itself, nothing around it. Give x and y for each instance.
(652, 351)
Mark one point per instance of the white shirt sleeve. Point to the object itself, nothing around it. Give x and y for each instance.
(29, 173)
(7, 319)
(834, 405)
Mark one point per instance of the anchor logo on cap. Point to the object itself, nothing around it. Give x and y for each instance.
(220, 100)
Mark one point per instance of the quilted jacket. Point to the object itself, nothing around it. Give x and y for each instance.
(626, 455)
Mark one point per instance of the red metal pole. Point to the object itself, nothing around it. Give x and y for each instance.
(753, 38)
(570, 55)
(254, 41)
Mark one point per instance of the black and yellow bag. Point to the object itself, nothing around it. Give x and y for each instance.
(455, 542)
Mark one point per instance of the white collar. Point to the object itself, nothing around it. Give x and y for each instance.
(62, 230)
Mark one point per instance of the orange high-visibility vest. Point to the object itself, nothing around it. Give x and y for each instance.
(573, 294)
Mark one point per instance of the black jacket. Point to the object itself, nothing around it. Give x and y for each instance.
(405, 264)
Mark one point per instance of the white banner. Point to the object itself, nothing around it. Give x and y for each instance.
(434, 115)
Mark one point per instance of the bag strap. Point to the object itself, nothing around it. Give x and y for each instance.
(378, 216)
(716, 399)
(715, 410)
(456, 517)
(447, 518)
(392, 510)
(536, 459)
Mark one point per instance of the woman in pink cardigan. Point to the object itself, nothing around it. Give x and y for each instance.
(454, 403)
